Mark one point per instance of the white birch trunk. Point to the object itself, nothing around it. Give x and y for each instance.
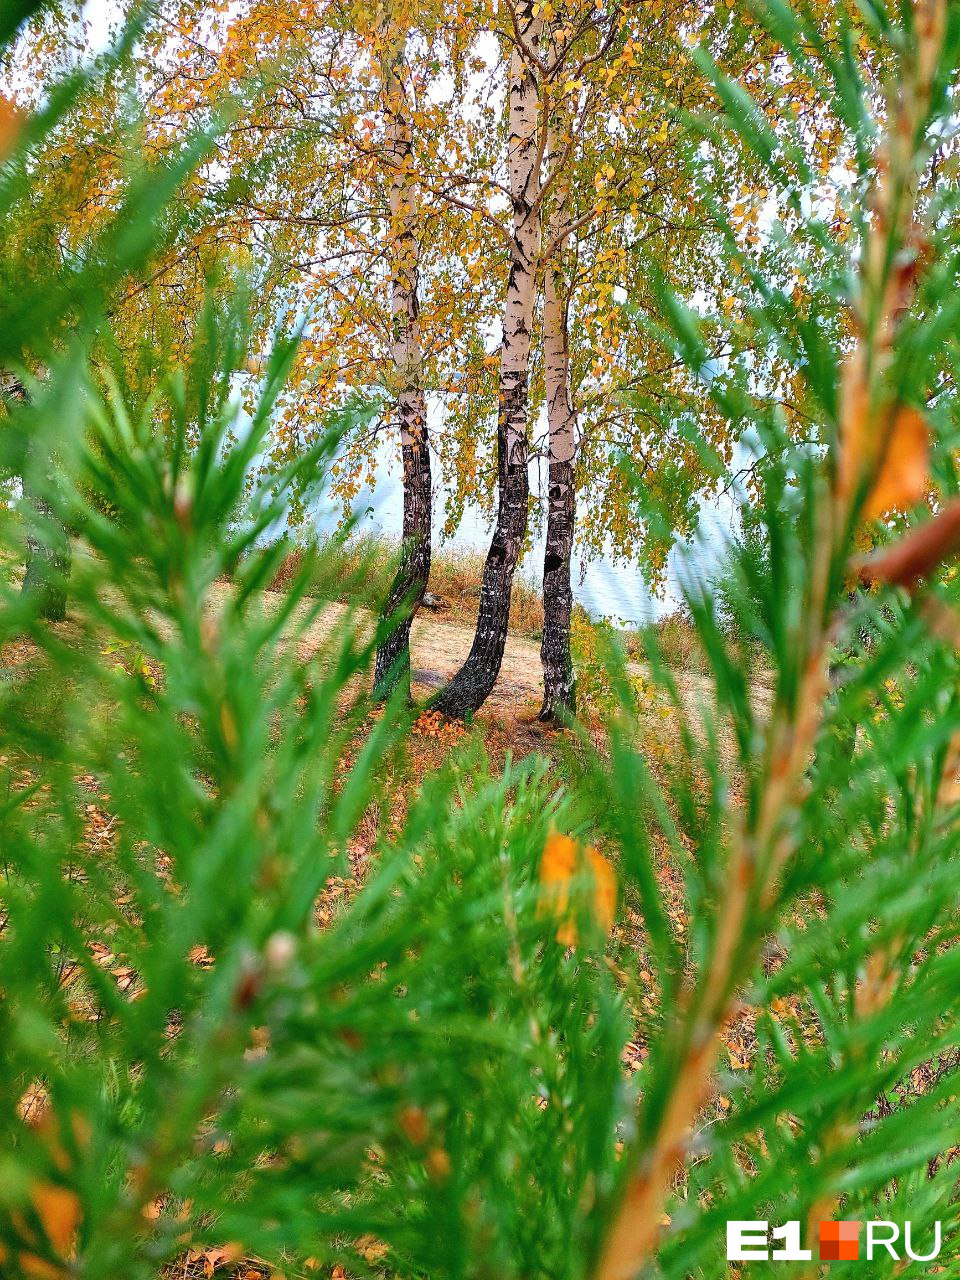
(558, 678)
(473, 682)
(410, 583)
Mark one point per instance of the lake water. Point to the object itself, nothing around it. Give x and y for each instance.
(605, 587)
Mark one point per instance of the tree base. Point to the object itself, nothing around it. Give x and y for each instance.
(466, 692)
(559, 711)
(49, 597)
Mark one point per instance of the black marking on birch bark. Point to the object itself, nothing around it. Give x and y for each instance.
(472, 683)
(559, 685)
(559, 688)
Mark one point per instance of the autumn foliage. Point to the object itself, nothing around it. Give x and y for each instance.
(298, 982)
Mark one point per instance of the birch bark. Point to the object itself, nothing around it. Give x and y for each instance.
(392, 665)
(559, 691)
(472, 684)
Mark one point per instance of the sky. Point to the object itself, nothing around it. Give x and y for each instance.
(98, 14)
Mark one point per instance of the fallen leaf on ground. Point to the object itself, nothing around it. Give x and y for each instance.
(220, 1256)
(372, 1248)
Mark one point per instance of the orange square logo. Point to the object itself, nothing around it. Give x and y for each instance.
(839, 1241)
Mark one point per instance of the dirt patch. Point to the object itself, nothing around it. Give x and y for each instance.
(438, 649)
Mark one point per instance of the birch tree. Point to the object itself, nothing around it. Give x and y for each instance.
(583, 67)
(377, 188)
(525, 133)
(619, 201)
(558, 678)
(586, 87)
(410, 581)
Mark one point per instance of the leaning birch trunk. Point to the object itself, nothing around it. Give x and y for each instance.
(48, 559)
(559, 692)
(48, 555)
(471, 685)
(410, 582)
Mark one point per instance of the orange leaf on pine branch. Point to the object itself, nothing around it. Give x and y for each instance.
(58, 1209)
(891, 442)
(904, 473)
(11, 122)
(563, 861)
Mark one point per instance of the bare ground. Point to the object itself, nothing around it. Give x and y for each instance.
(438, 648)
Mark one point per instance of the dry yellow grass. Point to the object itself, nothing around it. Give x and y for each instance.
(455, 579)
